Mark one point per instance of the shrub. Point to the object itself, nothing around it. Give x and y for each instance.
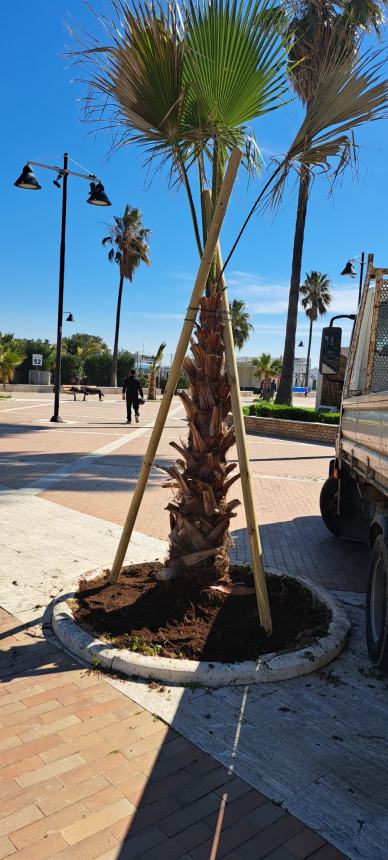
(28, 347)
(125, 363)
(291, 413)
(70, 367)
(97, 368)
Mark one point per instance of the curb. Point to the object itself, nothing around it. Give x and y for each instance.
(271, 667)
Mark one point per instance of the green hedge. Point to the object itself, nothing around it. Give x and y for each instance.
(28, 347)
(97, 368)
(125, 363)
(291, 413)
(70, 367)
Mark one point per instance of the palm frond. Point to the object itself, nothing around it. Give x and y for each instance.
(346, 98)
(172, 79)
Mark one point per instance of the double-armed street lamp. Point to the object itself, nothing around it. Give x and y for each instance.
(97, 197)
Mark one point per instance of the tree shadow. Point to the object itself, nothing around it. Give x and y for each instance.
(12, 429)
(303, 546)
(106, 474)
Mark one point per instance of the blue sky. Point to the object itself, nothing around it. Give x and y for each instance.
(42, 113)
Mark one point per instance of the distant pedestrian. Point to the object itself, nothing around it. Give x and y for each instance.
(306, 391)
(265, 389)
(132, 393)
(273, 388)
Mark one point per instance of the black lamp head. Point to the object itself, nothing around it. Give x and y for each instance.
(27, 179)
(97, 196)
(70, 318)
(349, 269)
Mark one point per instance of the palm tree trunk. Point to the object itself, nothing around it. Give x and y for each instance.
(113, 377)
(306, 381)
(199, 515)
(284, 394)
(152, 385)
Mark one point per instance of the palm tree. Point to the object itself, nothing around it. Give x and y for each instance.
(152, 371)
(241, 324)
(10, 358)
(84, 352)
(186, 83)
(266, 366)
(129, 247)
(316, 300)
(323, 32)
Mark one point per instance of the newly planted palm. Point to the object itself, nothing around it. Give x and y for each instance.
(325, 38)
(316, 300)
(241, 324)
(186, 84)
(128, 239)
(156, 362)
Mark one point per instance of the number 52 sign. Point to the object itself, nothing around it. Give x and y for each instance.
(37, 360)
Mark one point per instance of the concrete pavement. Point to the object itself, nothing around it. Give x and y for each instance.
(317, 749)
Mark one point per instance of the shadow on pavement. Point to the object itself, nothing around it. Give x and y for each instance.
(303, 546)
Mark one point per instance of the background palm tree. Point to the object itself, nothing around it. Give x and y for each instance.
(316, 300)
(186, 83)
(266, 367)
(153, 369)
(129, 240)
(323, 32)
(10, 358)
(241, 324)
(84, 352)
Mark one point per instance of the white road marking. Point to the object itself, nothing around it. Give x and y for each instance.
(21, 408)
(46, 481)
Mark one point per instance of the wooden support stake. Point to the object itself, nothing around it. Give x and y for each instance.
(242, 452)
(199, 286)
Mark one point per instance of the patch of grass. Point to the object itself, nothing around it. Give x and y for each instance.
(137, 643)
(290, 413)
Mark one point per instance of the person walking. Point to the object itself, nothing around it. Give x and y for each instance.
(273, 389)
(131, 391)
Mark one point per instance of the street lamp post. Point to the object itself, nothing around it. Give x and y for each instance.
(97, 197)
(350, 270)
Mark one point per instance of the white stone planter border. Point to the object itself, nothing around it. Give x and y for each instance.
(271, 667)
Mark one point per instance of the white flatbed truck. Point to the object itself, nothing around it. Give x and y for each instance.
(354, 499)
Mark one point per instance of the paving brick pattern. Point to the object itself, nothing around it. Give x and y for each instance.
(85, 772)
(287, 478)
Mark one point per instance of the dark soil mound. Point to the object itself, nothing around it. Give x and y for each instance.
(182, 619)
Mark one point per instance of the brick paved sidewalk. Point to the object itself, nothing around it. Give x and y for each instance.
(86, 773)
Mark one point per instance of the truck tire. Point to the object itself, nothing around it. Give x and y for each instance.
(377, 604)
(328, 505)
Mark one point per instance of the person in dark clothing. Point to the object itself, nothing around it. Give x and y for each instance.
(131, 391)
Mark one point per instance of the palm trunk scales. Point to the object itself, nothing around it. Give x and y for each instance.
(200, 515)
(113, 380)
(284, 394)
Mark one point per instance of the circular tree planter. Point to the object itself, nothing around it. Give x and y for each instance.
(268, 667)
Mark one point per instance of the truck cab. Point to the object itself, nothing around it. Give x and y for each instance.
(354, 499)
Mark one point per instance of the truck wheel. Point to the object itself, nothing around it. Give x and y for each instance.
(377, 604)
(328, 505)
